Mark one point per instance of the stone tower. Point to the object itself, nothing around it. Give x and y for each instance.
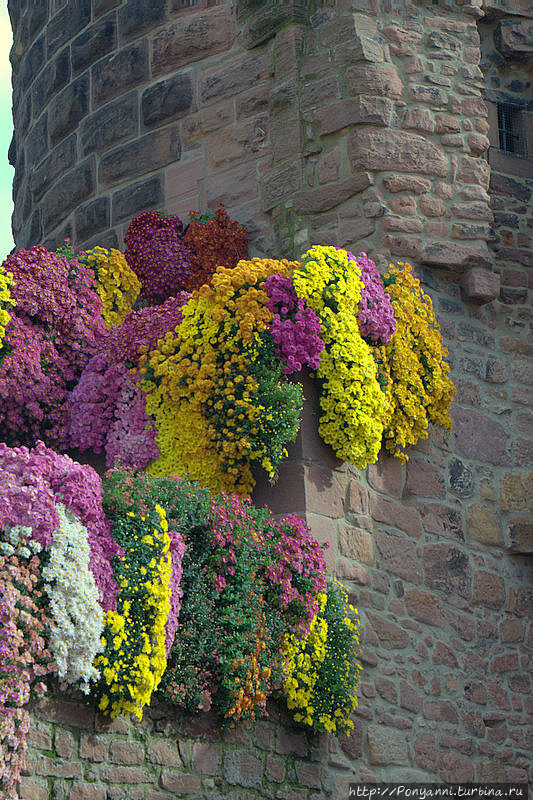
(398, 127)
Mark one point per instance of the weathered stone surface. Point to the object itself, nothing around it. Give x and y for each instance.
(62, 158)
(109, 125)
(398, 555)
(514, 38)
(390, 636)
(398, 151)
(191, 38)
(356, 543)
(374, 79)
(68, 108)
(488, 590)
(484, 525)
(516, 491)
(480, 286)
(137, 17)
(406, 183)
(386, 746)
(455, 257)
(167, 99)
(31, 63)
(424, 607)
(480, 437)
(315, 201)
(95, 42)
(520, 535)
(92, 218)
(36, 145)
(51, 80)
(67, 193)
(142, 196)
(123, 70)
(140, 156)
(66, 24)
(460, 478)
(447, 568)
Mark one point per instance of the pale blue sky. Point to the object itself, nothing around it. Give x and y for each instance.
(6, 129)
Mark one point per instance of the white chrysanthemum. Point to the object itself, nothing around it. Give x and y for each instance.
(77, 614)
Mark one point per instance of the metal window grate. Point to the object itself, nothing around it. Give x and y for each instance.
(511, 129)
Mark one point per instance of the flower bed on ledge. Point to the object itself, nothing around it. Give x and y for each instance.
(173, 358)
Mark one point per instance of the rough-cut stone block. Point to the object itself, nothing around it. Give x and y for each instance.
(363, 109)
(374, 79)
(484, 525)
(36, 146)
(386, 746)
(386, 475)
(205, 758)
(424, 607)
(280, 184)
(398, 515)
(51, 80)
(447, 568)
(31, 63)
(167, 99)
(126, 753)
(115, 74)
(142, 196)
(520, 536)
(62, 158)
(109, 125)
(242, 768)
(398, 151)
(66, 24)
(140, 156)
(315, 201)
(398, 555)
(442, 521)
(33, 790)
(68, 108)
(455, 257)
(488, 590)
(479, 437)
(97, 41)
(138, 16)
(93, 748)
(390, 636)
(514, 38)
(480, 286)
(88, 791)
(192, 38)
(67, 193)
(406, 183)
(357, 544)
(350, 571)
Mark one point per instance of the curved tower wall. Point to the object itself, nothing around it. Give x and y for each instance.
(370, 124)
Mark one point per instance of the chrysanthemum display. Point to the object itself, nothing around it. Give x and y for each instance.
(418, 385)
(351, 399)
(6, 280)
(214, 240)
(215, 386)
(117, 285)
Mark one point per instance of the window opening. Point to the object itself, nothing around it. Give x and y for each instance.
(511, 129)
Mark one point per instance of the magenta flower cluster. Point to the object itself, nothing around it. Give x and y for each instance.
(55, 327)
(24, 662)
(177, 551)
(375, 314)
(298, 573)
(156, 253)
(295, 328)
(107, 409)
(33, 481)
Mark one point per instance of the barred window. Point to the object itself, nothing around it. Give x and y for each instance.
(511, 129)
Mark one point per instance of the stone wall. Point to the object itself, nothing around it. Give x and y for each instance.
(369, 124)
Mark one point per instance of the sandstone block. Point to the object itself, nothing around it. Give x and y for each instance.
(88, 791)
(401, 245)
(448, 568)
(36, 145)
(192, 38)
(398, 151)
(110, 125)
(455, 768)
(68, 192)
(480, 286)
(480, 437)
(398, 555)
(62, 158)
(442, 654)
(440, 710)
(126, 753)
(93, 748)
(356, 498)
(424, 607)
(96, 41)
(51, 80)
(150, 152)
(395, 514)
(432, 95)
(137, 17)
(275, 769)
(418, 119)
(118, 72)
(386, 746)
(350, 571)
(520, 536)
(424, 479)
(357, 544)
(291, 742)
(484, 525)
(33, 790)
(111, 774)
(455, 257)
(315, 201)
(374, 79)
(64, 25)
(426, 752)
(406, 183)
(442, 521)
(488, 590)
(181, 782)
(133, 199)
(166, 99)
(390, 635)
(514, 38)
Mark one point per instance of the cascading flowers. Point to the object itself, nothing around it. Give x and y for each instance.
(134, 657)
(321, 670)
(352, 401)
(215, 386)
(413, 361)
(6, 280)
(117, 285)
